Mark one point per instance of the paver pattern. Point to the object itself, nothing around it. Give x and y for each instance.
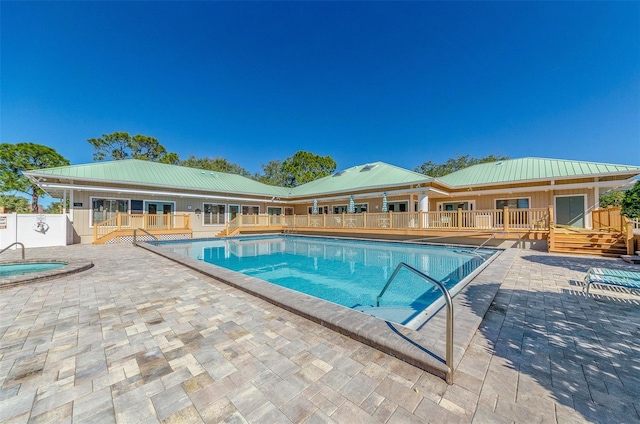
(138, 338)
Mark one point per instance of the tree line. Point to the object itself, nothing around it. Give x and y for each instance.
(300, 168)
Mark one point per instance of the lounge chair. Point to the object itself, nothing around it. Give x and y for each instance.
(612, 277)
(631, 275)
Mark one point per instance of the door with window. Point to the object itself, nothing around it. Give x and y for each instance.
(275, 215)
(104, 209)
(234, 210)
(570, 210)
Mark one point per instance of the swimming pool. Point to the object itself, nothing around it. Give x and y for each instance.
(15, 269)
(347, 272)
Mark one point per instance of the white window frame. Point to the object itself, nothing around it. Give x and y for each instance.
(275, 207)
(146, 202)
(472, 205)
(106, 198)
(249, 206)
(495, 201)
(224, 215)
(321, 210)
(361, 204)
(398, 203)
(341, 205)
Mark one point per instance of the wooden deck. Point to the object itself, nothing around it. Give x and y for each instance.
(120, 228)
(498, 224)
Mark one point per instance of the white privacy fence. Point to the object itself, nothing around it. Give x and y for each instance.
(35, 230)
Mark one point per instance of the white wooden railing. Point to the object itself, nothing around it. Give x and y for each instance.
(481, 220)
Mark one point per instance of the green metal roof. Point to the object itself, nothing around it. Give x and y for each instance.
(377, 175)
(528, 169)
(140, 172)
(361, 177)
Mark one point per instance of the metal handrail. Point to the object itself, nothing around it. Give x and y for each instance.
(449, 305)
(14, 244)
(135, 241)
(485, 242)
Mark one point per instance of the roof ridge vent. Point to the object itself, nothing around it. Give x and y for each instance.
(368, 167)
(337, 174)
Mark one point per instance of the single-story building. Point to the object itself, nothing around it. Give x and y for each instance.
(525, 195)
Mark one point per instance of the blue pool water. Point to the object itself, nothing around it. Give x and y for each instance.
(347, 272)
(12, 270)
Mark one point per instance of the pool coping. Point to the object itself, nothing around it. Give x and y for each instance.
(70, 267)
(423, 348)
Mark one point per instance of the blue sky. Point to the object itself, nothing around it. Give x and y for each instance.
(360, 81)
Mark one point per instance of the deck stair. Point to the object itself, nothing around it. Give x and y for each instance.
(588, 242)
(228, 232)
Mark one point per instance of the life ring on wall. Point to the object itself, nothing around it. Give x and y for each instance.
(41, 227)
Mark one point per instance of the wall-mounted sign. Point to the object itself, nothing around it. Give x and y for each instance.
(77, 204)
(3, 222)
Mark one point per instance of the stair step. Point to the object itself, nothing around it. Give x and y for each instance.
(598, 237)
(587, 252)
(588, 243)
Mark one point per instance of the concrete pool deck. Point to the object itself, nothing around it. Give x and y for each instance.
(424, 349)
(138, 338)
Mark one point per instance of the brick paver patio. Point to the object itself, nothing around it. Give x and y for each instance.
(138, 338)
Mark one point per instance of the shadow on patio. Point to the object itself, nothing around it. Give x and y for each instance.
(551, 344)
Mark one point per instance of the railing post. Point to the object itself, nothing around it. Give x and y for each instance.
(390, 219)
(421, 219)
(629, 237)
(118, 221)
(308, 220)
(459, 218)
(343, 219)
(364, 220)
(551, 219)
(505, 218)
(324, 220)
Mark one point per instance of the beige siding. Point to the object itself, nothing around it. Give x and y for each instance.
(82, 215)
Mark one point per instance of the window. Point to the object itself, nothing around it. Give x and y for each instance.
(274, 211)
(361, 207)
(213, 214)
(104, 209)
(250, 210)
(397, 206)
(345, 209)
(454, 206)
(512, 203)
(321, 209)
(340, 209)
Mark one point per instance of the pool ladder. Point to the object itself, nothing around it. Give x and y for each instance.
(449, 306)
(135, 240)
(17, 243)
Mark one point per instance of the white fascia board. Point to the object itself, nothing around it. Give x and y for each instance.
(372, 194)
(341, 192)
(553, 180)
(38, 178)
(268, 199)
(550, 187)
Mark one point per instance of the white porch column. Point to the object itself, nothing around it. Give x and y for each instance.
(423, 206)
(70, 205)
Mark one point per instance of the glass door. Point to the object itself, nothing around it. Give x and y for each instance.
(234, 210)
